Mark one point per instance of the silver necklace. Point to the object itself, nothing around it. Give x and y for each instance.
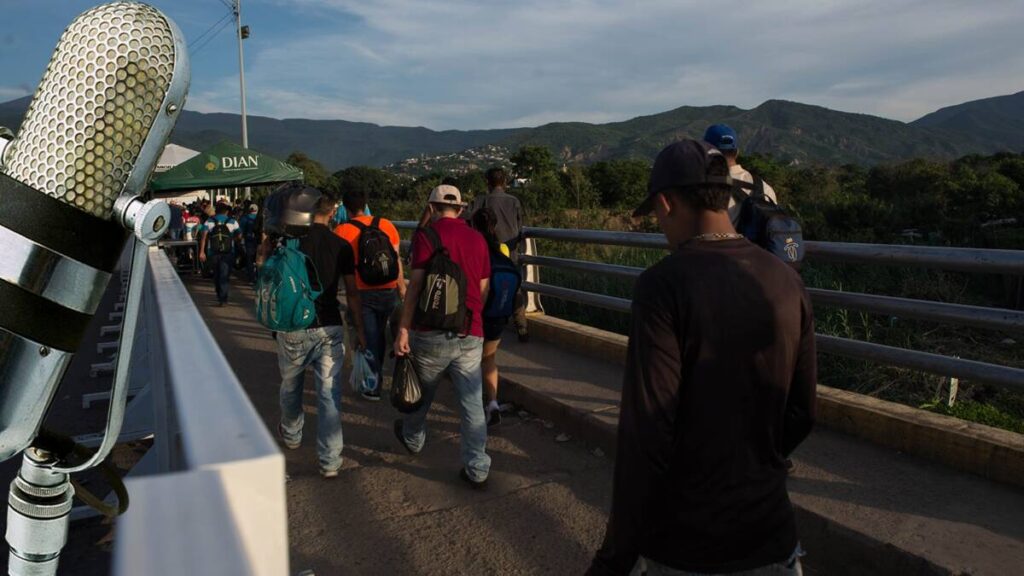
(717, 236)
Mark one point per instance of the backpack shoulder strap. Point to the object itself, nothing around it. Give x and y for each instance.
(312, 273)
(357, 224)
(375, 223)
(433, 237)
(758, 187)
(738, 194)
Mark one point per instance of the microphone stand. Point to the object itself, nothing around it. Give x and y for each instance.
(40, 497)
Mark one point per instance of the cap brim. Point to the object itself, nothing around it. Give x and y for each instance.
(645, 207)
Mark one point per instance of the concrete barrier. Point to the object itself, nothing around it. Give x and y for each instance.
(983, 450)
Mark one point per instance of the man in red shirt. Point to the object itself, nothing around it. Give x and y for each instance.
(436, 352)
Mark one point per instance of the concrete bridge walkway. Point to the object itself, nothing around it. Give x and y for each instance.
(862, 509)
(392, 513)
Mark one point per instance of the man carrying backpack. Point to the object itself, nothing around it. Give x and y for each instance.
(320, 344)
(442, 327)
(753, 207)
(375, 244)
(218, 245)
(509, 230)
(724, 138)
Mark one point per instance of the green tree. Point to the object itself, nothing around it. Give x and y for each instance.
(380, 187)
(314, 172)
(471, 184)
(919, 191)
(1013, 168)
(620, 183)
(543, 193)
(768, 169)
(579, 191)
(530, 161)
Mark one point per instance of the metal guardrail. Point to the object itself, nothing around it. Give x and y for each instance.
(958, 314)
(215, 501)
(941, 257)
(953, 259)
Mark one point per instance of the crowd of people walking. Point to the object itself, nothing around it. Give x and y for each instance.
(719, 385)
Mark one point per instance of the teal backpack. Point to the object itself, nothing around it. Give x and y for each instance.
(285, 298)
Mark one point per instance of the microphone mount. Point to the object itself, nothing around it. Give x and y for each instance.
(39, 501)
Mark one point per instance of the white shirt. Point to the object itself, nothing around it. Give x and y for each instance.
(739, 173)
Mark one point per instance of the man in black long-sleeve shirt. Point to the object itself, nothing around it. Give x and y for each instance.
(719, 388)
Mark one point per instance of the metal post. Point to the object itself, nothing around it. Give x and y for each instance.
(241, 80)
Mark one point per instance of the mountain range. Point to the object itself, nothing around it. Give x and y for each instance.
(788, 131)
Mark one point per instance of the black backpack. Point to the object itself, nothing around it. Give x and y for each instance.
(442, 304)
(220, 241)
(378, 261)
(767, 224)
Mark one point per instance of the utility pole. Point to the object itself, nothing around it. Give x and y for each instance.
(241, 77)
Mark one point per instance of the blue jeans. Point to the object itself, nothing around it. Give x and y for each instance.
(435, 353)
(377, 308)
(323, 349)
(222, 264)
(250, 259)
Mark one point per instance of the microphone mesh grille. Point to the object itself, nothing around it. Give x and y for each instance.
(95, 105)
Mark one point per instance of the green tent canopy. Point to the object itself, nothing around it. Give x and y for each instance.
(226, 165)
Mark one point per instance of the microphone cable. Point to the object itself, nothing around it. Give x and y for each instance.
(63, 446)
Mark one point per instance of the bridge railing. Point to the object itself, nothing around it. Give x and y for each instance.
(970, 260)
(209, 496)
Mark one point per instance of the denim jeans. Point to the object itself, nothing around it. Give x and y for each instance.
(790, 567)
(377, 308)
(323, 349)
(250, 259)
(434, 354)
(222, 264)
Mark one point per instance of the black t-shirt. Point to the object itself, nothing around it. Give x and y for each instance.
(719, 388)
(333, 259)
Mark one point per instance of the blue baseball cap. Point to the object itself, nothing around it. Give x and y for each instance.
(722, 137)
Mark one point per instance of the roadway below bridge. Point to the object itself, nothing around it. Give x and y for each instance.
(862, 509)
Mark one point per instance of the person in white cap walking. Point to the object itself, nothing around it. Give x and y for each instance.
(442, 326)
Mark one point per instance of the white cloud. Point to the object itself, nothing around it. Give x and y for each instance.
(498, 63)
(12, 92)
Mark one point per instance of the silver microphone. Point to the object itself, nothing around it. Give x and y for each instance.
(69, 187)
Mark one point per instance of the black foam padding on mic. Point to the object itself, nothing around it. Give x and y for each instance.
(60, 227)
(36, 318)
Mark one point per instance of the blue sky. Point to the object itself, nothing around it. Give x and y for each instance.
(500, 63)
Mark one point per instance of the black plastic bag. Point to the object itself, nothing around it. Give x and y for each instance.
(406, 395)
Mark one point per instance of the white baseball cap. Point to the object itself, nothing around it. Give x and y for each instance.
(446, 194)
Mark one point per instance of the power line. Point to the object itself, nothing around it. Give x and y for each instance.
(197, 49)
(201, 37)
(230, 5)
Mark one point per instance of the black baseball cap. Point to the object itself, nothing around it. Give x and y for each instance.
(685, 164)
